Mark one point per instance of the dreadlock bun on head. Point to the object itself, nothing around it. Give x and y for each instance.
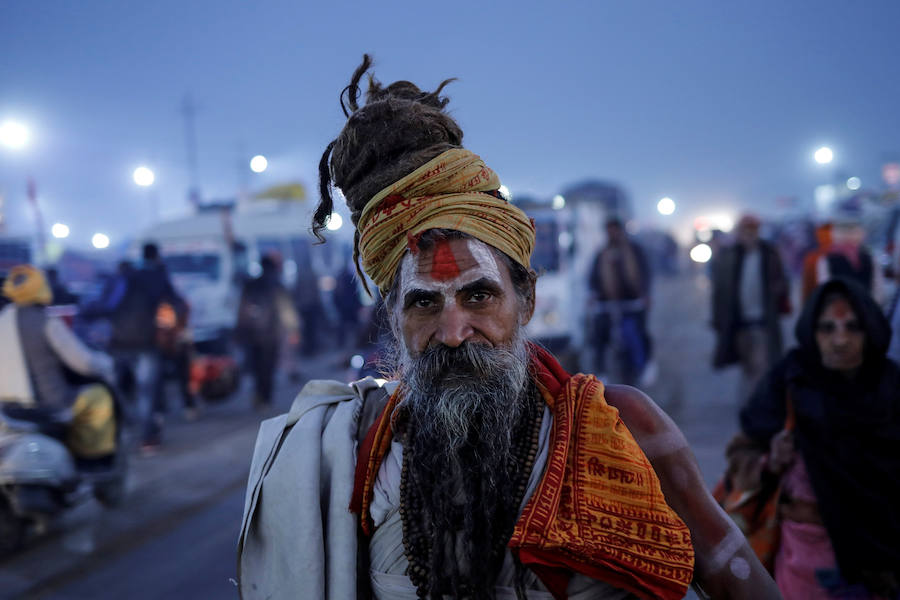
(399, 129)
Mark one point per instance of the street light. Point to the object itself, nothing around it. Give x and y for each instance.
(854, 183)
(335, 222)
(259, 163)
(823, 155)
(14, 135)
(701, 253)
(100, 241)
(60, 231)
(559, 202)
(666, 206)
(144, 177)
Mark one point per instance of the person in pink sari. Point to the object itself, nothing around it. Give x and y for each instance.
(840, 465)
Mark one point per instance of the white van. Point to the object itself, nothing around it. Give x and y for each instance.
(207, 267)
(569, 233)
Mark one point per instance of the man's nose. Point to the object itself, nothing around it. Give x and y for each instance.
(453, 326)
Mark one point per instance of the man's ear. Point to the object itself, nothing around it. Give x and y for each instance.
(529, 302)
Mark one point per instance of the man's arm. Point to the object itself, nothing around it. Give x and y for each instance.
(726, 567)
(76, 355)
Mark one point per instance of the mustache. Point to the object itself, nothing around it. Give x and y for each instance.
(466, 360)
(453, 392)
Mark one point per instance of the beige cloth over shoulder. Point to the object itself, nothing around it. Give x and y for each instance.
(298, 537)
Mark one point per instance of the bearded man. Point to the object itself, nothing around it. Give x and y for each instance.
(482, 469)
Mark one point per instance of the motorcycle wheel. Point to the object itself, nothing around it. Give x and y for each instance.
(12, 529)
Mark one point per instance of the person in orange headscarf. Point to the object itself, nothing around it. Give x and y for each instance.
(810, 275)
(482, 469)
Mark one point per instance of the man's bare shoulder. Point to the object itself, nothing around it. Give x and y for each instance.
(654, 431)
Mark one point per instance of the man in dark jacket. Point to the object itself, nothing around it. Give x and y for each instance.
(620, 283)
(750, 293)
(266, 317)
(134, 337)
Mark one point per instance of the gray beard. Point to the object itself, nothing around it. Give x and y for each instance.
(450, 390)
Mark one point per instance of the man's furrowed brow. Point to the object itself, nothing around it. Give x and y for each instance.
(483, 283)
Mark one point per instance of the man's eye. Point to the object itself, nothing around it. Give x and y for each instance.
(826, 327)
(423, 303)
(478, 297)
(854, 327)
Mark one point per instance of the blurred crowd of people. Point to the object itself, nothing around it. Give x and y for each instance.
(819, 424)
(818, 453)
(139, 324)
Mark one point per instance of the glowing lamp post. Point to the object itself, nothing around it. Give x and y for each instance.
(666, 206)
(14, 135)
(100, 241)
(259, 163)
(143, 176)
(823, 155)
(60, 231)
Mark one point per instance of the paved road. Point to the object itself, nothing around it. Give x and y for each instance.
(175, 535)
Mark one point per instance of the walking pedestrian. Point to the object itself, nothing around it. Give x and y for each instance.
(621, 276)
(840, 467)
(347, 305)
(847, 256)
(134, 337)
(750, 293)
(266, 318)
(308, 303)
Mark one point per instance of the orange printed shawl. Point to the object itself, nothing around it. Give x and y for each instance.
(598, 509)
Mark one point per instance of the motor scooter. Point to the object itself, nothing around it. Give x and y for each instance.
(39, 476)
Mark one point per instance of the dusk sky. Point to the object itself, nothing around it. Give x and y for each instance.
(718, 105)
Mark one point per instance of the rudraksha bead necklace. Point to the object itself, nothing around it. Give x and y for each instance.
(417, 524)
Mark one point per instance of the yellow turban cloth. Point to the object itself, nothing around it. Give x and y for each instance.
(26, 285)
(445, 193)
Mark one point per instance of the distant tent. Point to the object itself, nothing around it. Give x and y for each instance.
(295, 192)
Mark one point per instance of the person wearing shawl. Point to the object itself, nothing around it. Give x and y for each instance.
(482, 469)
(840, 467)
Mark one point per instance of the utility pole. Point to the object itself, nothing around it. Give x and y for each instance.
(31, 191)
(189, 112)
(242, 170)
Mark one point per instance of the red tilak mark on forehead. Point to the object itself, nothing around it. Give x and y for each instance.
(842, 310)
(443, 263)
